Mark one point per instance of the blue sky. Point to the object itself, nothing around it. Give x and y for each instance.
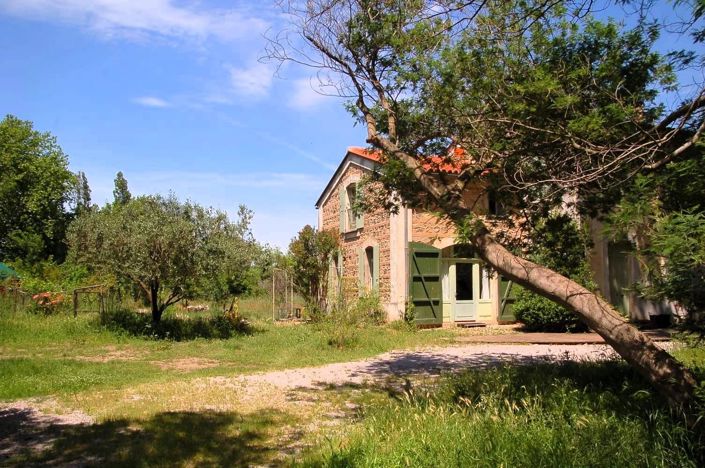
(172, 94)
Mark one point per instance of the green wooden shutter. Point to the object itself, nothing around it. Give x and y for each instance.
(507, 292)
(359, 217)
(425, 291)
(341, 197)
(361, 270)
(375, 267)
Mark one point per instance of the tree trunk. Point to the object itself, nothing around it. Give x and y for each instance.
(154, 301)
(670, 378)
(666, 374)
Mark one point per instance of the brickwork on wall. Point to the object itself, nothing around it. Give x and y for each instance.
(431, 229)
(376, 231)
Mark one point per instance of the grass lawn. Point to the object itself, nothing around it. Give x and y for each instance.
(59, 355)
(160, 402)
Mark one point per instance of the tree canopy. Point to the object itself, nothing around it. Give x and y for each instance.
(36, 187)
(311, 252)
(543, 100)
(166, 248)
(121, 193)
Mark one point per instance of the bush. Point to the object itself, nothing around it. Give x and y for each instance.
(47, 303)
(559, 244)
(343, 322)
(221, 326)
(540, 314)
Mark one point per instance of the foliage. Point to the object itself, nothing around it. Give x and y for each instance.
(221, 326)
(311, 252)
(344, 321)
(558, 414)
(166, 248)
(82, 193)
(35, 189)
(49, 276)
(121, 194)
(663, 215)
(559, 244)
(537, 313)
(680, 239)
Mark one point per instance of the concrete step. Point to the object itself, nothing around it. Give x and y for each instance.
(470, 324)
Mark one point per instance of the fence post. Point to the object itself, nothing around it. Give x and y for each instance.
(75, 303)
(274, 282)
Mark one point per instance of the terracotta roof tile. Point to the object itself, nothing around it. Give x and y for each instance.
(454, 163)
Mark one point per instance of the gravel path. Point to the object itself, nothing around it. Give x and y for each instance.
(428, 362)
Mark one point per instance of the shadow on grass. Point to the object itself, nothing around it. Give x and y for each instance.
(167, 439)
(176, 328)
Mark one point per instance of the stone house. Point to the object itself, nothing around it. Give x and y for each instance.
(412, 261)
(409, 258)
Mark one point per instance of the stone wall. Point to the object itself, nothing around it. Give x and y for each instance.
(432, 229)
(376, 231)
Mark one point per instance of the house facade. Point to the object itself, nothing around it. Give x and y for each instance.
(410, 258)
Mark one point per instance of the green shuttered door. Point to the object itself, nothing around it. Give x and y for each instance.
(425, 284)
(507, 293)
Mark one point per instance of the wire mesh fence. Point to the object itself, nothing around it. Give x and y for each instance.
(90, 299)
(284, 305)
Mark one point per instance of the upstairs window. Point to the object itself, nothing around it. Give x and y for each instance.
(495, 207)
(349, 219)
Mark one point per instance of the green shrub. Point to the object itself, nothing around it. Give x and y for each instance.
(559, 244)
(221, 326)
(540, 314)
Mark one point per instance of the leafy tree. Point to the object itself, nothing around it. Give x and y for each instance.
(82, 193)
(121, 193)
(166, 248)
(35, 188)
(241, 268)
(544, 104)
(311, 252)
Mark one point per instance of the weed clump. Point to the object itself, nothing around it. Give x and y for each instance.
(342, 324)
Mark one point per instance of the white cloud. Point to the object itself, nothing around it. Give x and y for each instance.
(254, 80)
(140, 18)
(307, 94)
(151, 101)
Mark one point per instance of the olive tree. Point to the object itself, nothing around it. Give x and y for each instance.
(166, 248)
(544, 102)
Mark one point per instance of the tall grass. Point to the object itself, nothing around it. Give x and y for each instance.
(540, 415)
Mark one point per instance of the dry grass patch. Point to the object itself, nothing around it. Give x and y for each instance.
(186, 364)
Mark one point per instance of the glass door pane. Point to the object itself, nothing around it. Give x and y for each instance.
(463, 282)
